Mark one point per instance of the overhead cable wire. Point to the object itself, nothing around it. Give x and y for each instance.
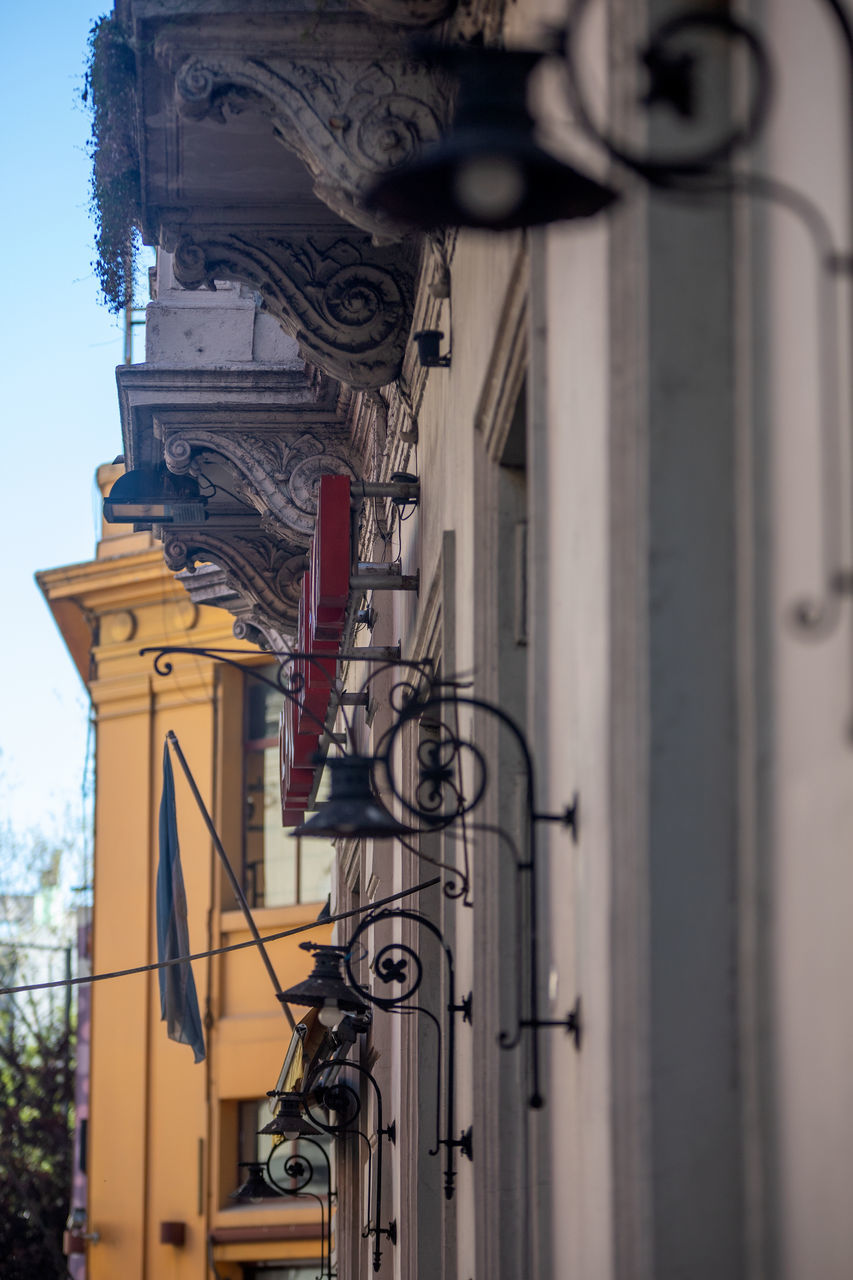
(219, 951)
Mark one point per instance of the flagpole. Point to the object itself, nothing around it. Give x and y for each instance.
(229, 871)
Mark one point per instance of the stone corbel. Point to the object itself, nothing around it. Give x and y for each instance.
(348, 117)
(278, 477)
(263, 574)
(207, 584)
(347, 302)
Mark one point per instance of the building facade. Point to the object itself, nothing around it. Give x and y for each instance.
(631, 556)
(157, 1159)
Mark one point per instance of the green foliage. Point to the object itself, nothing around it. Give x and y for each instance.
(115, 196)
(36, 1055)
(36, 1095)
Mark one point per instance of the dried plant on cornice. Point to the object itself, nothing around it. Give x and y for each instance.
(115, 198)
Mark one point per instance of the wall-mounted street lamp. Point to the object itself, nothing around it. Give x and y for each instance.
(428, 343)
(488, 171)
(153, 495)
(340, 1098)
(290, 1121)
(254, 1189)
(352, 808)
(262, 1185)
(325, 989)
(451, 783)
(300, 1172)
(393, 963)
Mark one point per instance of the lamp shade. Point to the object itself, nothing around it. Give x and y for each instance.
(254, 1187)
(488, 171)
(290, 1120)
(325, 986)
(152, 495)
(352, 809)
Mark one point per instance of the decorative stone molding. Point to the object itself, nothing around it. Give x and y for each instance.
(347, 302)
(263, 573)
(118, 627)
(275, 474)
(348, 114)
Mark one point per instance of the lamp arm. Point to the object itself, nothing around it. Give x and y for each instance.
(390, 969)
(382, 1132)
(325, 1219)
(671, 77)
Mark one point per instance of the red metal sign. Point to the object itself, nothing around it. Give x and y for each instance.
(322, 617)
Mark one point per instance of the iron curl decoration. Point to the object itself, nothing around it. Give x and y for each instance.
(300, 1170)
(340, 1096)
(290, 677)
(389, 969)
(673, 75)
(391, 965)
(672, 82)
(443, 769)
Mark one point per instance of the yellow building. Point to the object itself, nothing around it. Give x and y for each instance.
(166, 1135)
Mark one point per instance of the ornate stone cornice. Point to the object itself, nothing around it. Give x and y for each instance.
(263, 573)
(347, 302)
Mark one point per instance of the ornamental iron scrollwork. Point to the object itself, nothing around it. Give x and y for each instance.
(674, 72)
(339, 1097)
(444, 798)
(398, 963)
(299, 1169)
(453, 783)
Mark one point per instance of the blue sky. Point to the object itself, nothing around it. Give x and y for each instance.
(58, 348)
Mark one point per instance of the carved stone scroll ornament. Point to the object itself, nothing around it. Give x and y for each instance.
(348, 119)
(258, 567)
(278, 477)
(207, 584)
(347, 302)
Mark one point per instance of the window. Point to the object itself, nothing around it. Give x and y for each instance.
(278, 869)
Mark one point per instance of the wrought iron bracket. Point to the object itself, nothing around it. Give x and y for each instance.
(390, 1234)
(464, 1007)
(463, 1142)
(569, 817)
(571, 1024)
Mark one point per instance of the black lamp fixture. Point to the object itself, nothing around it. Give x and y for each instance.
(254, 1189)
(428, 343)
(488, 171)
(290, 1121)
(352, 807)
(325, 988)
(153, 495)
